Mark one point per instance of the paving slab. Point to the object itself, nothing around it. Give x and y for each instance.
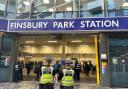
(34, 85)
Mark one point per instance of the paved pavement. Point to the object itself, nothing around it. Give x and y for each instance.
(34, 85)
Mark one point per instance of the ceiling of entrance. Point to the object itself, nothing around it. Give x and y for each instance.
(56, 40)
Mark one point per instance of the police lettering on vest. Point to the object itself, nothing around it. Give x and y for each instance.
(46, 76)
(67, 79)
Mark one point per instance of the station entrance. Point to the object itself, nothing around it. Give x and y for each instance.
(34, 49)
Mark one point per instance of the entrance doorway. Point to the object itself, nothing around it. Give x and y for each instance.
(36, 48)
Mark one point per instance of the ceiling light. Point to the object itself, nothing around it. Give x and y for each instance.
(51, 10)
(46, 1)
(67, 0)
(69, 8)
(26, 3)
(125, 4)
(27, 46)
(83, 45)
(29, 41)
(35, 11)
(75, 41)
(44, 46)
(28, 56)
(53, 41)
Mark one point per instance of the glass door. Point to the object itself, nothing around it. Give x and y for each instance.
(118, 50)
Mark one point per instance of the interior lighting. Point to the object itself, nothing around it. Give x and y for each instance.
(52, 41)
(51, 10)
(29, 41)
(125, 4)
(76, 41)
(44, 46)
(27, 46)
(46, 1)
(83, 45)
(67, 0)
(35, 11)
(69, 8)
(26, 3)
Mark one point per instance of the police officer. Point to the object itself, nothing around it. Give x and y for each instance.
(17, 70)
(67, 80)
(46, 78)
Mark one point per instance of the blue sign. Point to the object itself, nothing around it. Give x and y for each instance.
(3, 25)
(82, 24)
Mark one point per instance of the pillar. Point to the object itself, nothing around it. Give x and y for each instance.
(14, 54)
(0, 39)
(63, 49)
(75, 9)
(104, 59)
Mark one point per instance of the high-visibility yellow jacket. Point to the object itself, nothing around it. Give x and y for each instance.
(46, 76)
(67, 79)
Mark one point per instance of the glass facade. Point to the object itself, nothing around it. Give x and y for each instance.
(117, 7)
(36, 9)
(2, 8)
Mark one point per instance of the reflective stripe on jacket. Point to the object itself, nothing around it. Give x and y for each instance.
(67, 79)
(46, 76)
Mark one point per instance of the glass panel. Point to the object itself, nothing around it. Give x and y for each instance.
(5, 52)
(119, 61)
(11, 9)
(117, 7)
(91, 8)
(40, 8)
(23, 9)
(5, 58)
(67, 8)
(2, 8)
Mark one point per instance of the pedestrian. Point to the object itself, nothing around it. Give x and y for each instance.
(90, 66)
(37, 70)
(60, 73)
(77, 70)
(16, 69)
(28, 68)
(86, 68)
(56, 68)
(21, 66)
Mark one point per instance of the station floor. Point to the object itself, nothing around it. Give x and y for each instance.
(29, 83)
(34, 85)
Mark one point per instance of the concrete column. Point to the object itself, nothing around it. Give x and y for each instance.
(63, 49)
(75, 14)
(104, 61)
(14, 54)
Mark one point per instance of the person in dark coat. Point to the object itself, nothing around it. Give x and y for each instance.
(77, 70)
(16, 69)
(86, 68)
(21, 66)
(37, 70)
(60, 73)
(28, 67)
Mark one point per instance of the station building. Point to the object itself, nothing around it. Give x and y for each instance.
(87, 30)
